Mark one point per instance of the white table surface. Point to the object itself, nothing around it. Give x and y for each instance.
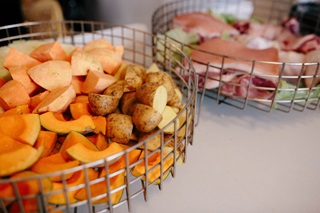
(244, 161)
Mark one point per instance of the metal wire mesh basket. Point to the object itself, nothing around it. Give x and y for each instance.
(297, 96)
(138, 50)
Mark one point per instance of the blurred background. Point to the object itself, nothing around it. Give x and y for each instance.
(111, 11)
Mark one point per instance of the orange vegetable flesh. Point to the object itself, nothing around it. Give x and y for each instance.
(26, 127)
(76, 179)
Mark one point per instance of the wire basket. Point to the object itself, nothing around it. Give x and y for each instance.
(138, 50)
(298, 96)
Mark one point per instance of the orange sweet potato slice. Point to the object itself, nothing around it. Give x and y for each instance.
(82, 62)
(20, 74)
(110, 59)
(97, 82)
(49, 51)
(97, 43)
(77, 82)
(36, 99)
(51, 75)
(57, 100)
(16, 58)
(13, 94)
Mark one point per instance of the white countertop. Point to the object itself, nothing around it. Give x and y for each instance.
(244, 161)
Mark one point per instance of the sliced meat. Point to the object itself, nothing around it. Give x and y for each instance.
(235, 61)
(206, 25)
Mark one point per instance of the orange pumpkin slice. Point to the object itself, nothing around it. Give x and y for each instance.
(25, 187)
(47, 139)
(18, 110)
(100, 188)
(16, 156)
(84, 124)
(154, 169)
(24, 128)
(76, 179)
(84, 155)
(54, 163)
(72, 139)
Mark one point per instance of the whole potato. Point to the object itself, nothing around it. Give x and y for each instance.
(119, 127)
(134, 77)
(146, 118)
(102, 104)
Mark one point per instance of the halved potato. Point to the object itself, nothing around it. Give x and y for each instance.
(152, 94)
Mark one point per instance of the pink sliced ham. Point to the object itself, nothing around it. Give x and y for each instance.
(206, 25)
(312, 61)
(233, 71)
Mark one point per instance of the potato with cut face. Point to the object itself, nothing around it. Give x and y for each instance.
(152, 94)
(164, 79)
(119, 127)
(146, 118)
(101, 104)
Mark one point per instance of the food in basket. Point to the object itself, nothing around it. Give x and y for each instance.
(62, 124)
(241, 69)
(235, 42)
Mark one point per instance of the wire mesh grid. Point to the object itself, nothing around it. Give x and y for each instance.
(298, 96)
(117, 183)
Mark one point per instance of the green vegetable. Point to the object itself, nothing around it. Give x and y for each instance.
(290, 92)
(181, 39)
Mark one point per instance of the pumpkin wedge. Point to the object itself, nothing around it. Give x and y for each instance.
(47, 139)
(101, 188)
(116, 181)
(25, 187)
(16, 156)
(54, 163)
(72, 139)
(76, 179)
(99, 140)
(84, 155)
(18, 110)
(154, 169)
(84, 124)
(78, 109)
(100, 123)
(24, 128)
